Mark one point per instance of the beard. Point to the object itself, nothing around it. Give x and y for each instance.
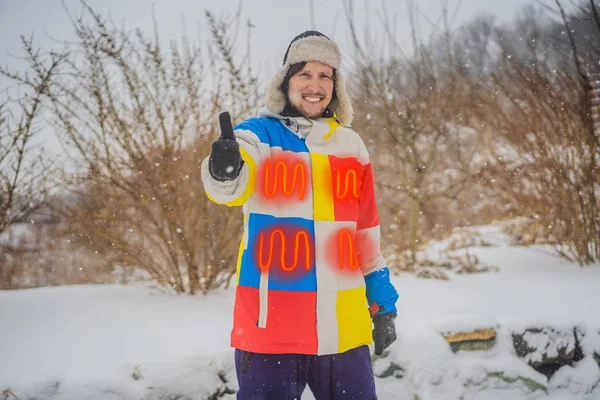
(310, 111)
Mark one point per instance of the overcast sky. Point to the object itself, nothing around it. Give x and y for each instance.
(276, 21)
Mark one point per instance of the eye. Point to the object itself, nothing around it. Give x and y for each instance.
(306, 74)
(325, 76)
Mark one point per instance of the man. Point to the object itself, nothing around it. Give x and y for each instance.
(311, 281)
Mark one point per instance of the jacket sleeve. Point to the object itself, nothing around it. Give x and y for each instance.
(381, 294)
(236, 192)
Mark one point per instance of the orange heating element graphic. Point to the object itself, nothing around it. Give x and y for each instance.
(346, 250)
(286, 177)
(291, 250)
(350, 180)
(285, 263)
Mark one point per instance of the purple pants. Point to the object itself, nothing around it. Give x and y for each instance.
(342, 376)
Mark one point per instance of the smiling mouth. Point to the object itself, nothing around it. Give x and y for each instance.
(312, 99)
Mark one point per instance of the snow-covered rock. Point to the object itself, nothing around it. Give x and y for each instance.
(547, 349)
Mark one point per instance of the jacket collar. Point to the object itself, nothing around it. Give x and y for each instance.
(315, 131)
(299, 126)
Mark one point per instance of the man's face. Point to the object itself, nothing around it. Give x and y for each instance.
(310, 89)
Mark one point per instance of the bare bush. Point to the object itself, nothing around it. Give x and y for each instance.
(138, 120)
(547, 156)
(421, 137)
(25, 171)
(485, 123)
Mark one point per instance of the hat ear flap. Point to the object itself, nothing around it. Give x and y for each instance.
(342, 105)
(276, 99)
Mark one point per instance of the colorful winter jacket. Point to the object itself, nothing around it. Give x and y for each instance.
(309, 268)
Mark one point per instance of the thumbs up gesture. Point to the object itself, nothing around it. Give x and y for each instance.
(225, 161)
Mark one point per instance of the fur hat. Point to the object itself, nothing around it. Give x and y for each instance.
(306, 47)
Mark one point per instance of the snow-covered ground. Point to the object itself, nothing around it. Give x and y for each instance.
(138, 342)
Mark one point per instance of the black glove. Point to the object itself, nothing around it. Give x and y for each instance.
(225, 161)
(384, 332)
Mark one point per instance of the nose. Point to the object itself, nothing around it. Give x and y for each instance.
(314, 84)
